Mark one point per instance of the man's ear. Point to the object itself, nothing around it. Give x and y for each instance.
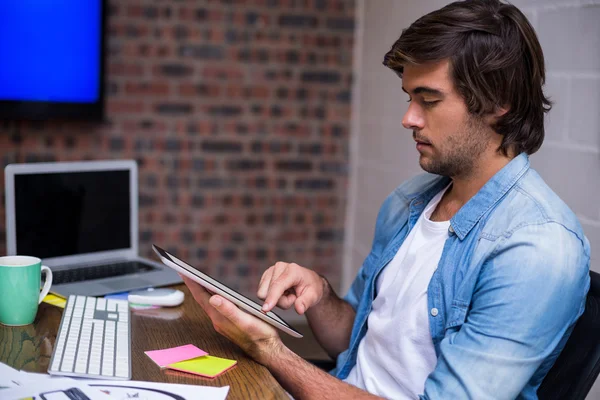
(500, 111)
(494, 116)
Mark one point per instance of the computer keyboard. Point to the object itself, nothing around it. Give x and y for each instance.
(99, 271)
(93, 339)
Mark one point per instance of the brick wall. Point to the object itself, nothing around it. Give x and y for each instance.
(237, 112)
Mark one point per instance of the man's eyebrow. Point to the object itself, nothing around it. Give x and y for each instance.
(425, 90)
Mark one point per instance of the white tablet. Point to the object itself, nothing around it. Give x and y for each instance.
(218, 288)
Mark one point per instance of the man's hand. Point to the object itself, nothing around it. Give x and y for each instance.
(261, 342)
(285, 284)
(257, 338)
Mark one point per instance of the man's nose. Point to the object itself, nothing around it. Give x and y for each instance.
(413, 119)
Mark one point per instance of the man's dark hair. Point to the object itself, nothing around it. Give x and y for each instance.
(495, 61)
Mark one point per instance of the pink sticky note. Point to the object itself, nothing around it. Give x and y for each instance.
(169, 356)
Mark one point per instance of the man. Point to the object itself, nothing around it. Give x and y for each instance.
(478, 271)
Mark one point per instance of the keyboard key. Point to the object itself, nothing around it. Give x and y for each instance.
(94, 369)
(111, 305)
(56, 362)
(101, 304)
(90, 306)
(80, 368)
(68, 309)
(84, 346)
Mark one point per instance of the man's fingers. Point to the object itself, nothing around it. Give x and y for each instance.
(228, 310)
(286, 301)
(196, 288)
(278, 269)
(232, 322)
(305, 301)
(276, 290)
(200, 294)
(269, 276)
(264, 283)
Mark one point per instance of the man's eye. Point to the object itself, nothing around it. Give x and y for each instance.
(430, 103)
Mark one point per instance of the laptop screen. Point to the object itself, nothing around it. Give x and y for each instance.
(69, 213)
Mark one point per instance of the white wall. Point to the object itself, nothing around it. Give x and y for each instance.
(383, 153)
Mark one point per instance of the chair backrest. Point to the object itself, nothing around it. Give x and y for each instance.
(576, 368)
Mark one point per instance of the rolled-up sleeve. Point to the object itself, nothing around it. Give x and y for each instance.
(530, 292)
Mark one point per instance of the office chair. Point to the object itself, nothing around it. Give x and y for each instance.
(576, 368)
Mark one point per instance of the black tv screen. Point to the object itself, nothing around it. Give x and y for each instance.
(52, 59)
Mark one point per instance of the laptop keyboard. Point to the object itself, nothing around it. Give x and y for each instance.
(99, 272)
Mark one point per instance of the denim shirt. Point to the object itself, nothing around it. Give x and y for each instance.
(511, 283)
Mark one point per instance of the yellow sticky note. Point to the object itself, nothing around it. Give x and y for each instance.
(207, 366)
(55, 300)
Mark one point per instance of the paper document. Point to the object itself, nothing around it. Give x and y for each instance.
(9, 377)
(16, 385)
(54, 389)
(122, 390)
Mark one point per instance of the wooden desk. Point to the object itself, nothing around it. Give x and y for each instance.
(30, 347)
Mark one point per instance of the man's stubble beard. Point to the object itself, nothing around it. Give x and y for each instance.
(460, 152)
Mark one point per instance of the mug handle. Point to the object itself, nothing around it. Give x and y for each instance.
(47, 282)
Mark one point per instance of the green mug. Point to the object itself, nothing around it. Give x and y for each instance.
(20, 280)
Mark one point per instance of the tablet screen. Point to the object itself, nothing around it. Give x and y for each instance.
(218, 284)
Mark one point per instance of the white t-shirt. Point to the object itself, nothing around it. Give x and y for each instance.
(397, 354)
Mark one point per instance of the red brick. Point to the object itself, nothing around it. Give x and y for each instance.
(125, 69)
(147, 88)
(222, 73)
(134, 11)
(124, 107)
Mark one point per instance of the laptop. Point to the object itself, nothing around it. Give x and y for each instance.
(81, 219)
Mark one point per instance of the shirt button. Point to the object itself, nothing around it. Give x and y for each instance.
(451, 229)
(434, 312)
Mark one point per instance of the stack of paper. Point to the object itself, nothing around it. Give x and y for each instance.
(16, 385)
(191, 359)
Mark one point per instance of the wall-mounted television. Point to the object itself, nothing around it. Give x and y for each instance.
(52, 59)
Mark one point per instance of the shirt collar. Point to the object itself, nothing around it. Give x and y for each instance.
(472, 212)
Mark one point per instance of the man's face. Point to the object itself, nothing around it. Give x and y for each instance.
(449, 139)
